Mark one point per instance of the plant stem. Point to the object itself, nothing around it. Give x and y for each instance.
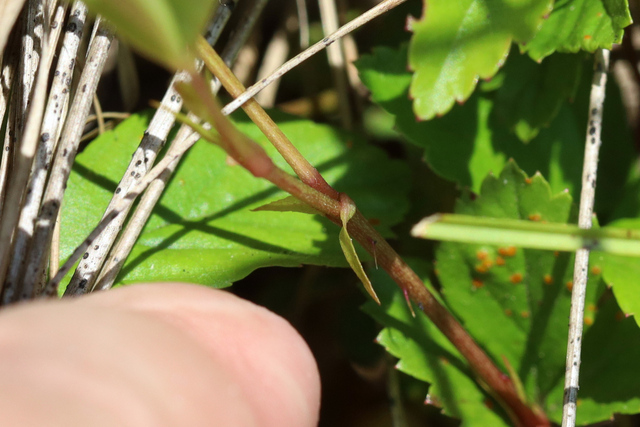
(252, 157)
(301, 166)
(528, 234)
(372, 13)
(581, 266)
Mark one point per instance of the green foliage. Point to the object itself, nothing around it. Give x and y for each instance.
(474, 139)
(458, 42)
(204, 230)
(622, 274)
(162, 30)
(515, 303)
(575, 25)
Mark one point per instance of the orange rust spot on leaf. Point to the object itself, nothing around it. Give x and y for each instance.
(556, 253)
(579, 402)
(477, 283)
(482, 255)
(487, 263)
(525, 314)
(508, 251)
(436, 271)
(548, 279)
(488, 403)
(588, 321)
(569, 285)
(481, 268)
(515, 278)
(444, 360)
(592, 307)
(535, 217)
(528, 180)
(596, 270)
(587, 37)
(500, 261)
(508, 312)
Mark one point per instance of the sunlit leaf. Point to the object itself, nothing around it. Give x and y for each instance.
(204, 229)
(456, 43)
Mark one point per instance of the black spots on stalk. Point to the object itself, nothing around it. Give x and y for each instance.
(594, 111)
(84, 88)
(139, 162)
(86, 255)
(45, 137)
(96, 247)
(173, 98)
(64, 153)
(118, 190)
(57, 73)
(82, 284)
(133, 173)
(592, 130)
(72, 27)
(327, 41)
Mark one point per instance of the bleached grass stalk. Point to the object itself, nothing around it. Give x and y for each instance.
(54, 117)
(303, 23)
(274, 56)
(337, 62)
(581, 266)
(372, 13)
(10, 61)
(119, 206)
(23, 159)
(65, 155)
(143, 211)
(88, 271)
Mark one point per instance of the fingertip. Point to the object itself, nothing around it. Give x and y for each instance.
(265, 355)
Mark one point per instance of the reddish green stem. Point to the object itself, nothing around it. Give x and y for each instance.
(251, 156)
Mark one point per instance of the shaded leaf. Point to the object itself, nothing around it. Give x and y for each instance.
(458, 42)
(203, 229)
(622, 274)
(575, 25)
(514, 303)
(426, 354)
(531, 94)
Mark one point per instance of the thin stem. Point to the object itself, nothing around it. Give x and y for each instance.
(251, 156)
(587, 196)
(376, 11)
(337, 62)
(274, 56)
(301, 166)
(527, 234)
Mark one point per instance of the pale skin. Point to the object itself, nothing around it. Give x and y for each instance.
(154, 355)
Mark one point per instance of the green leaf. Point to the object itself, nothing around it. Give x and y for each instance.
(204, 230)
(514, 303)
(289, 204)
(162, 30)
(458, 42)
(622, 274)
(347, 211)
(531, 94)
(575, 25)
(426, 354)
(470, 141)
